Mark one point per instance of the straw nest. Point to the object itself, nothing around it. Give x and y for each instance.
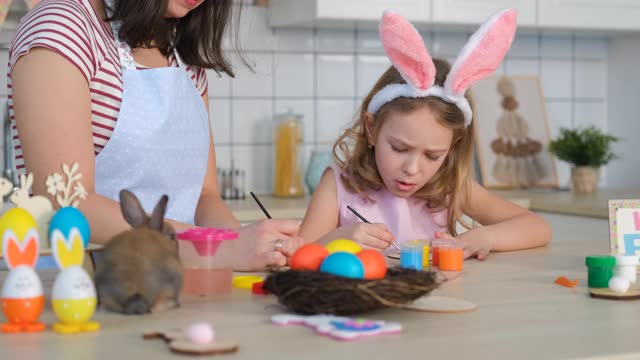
(314, 292)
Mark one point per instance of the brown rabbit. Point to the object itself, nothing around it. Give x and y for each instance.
(140, 271)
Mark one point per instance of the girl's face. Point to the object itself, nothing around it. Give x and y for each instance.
(180, 8)
(409, 149)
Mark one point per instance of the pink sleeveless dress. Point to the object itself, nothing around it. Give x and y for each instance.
(407, 219)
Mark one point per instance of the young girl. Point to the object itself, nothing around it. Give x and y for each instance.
(405, 165)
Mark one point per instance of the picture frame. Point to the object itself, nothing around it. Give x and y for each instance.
(512, 133)
(624, 226)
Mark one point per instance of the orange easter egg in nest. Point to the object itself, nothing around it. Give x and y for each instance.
(375, 265)
(309, 257)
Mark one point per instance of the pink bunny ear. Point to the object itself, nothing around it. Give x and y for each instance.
(483, 53)
(405, 48)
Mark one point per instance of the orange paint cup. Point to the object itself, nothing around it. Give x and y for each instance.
(437, 244)
(450, 259)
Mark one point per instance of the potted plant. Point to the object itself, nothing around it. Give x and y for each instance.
(587, 149)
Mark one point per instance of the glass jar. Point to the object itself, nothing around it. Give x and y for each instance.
(320, 160)
(287, 165)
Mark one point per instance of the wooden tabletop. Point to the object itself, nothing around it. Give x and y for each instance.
(521, 314)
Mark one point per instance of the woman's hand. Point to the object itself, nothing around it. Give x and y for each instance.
(266, 243)
(472, 246)
(375, 236)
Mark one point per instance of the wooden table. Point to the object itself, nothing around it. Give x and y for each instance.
(522, 314)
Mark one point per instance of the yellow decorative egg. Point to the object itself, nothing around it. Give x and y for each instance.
(73, 296)
(74, 311)
(343, 245)
(18, 220)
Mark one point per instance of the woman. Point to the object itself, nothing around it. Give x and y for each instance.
(119, 86)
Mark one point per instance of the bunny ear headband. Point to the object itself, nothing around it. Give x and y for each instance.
(480, 57)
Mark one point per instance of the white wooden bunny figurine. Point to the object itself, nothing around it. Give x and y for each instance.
(38, 206)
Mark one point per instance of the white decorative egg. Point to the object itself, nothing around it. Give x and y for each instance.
(73, 283)
(22, 283)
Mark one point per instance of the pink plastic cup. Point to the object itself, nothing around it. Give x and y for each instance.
(204, 274)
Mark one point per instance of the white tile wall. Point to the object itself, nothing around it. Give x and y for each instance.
(323, 74)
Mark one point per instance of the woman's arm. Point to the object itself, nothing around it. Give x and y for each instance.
(53, 114)
(507, 226)
(211, 210)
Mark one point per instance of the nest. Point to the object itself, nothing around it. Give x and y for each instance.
(313, 292)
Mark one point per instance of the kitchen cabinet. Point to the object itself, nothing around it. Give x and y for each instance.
(476, 11)
(589, 14)
(575, 15)
(343, 13)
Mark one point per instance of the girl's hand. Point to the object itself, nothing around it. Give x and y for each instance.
(375, 236)
(478, 249)
(266, 243)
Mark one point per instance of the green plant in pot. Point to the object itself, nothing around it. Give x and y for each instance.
(587, 149)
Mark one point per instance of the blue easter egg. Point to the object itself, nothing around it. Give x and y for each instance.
(343, 264)
(69, 217)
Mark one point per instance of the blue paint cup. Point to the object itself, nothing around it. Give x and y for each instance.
(411, 255)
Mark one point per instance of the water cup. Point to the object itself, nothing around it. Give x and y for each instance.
(204, 274)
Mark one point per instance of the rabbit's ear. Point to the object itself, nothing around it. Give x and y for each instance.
(18, 253)
(405, 47)
(157, 217)
(132, 210)
(67, 253)
(483, 53)
(23, 180)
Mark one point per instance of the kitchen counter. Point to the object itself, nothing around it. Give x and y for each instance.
(521, 314)
(566, 202)
(247, 210)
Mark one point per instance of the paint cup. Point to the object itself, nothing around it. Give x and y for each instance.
(426, 254)
(204, 273)
(451, 257)
(411, 255)
(436, 244)
(600, 270)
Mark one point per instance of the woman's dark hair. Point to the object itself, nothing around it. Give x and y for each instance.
(198, 36)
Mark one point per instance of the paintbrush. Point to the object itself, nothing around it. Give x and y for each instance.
(368, 222)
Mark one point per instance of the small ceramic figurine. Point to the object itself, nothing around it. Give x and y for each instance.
(73, 296)
(22, 297)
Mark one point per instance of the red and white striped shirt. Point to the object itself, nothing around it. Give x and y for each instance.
(74, 30)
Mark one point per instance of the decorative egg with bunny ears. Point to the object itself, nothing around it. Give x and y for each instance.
(22, 297)
(68, 218)
(73, 296)
(20, 222)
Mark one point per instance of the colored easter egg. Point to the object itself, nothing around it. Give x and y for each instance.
(375, 265)
(343, 264)
(18, 220)
(343, 245)
(69, 217)
(309, 257)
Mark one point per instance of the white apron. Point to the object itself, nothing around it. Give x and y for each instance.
(160, 144)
